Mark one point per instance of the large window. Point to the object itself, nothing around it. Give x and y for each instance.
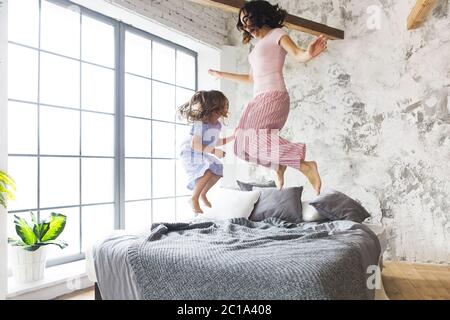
(92, 121)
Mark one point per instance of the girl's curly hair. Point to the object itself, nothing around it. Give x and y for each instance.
(257, 14)
(203, 104)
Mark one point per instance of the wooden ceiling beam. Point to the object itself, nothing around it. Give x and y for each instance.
(292, 22)
(419, 13)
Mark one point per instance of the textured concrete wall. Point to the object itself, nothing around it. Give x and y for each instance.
(203, 23)
(375, 113)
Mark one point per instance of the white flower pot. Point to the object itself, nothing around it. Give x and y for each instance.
(28, 266)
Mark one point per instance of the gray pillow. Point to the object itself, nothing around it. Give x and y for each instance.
(248, 186)
(273, 203)
(335, 205)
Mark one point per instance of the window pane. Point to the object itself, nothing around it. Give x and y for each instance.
(23, 22)
(182, 180)
(138, 96)
(97, 41)
(97, 85)
(97, 223)
(59, 131)
(22, 128)
(164, 210)
(138, 53)
(70, 234)
(163, 140)
(22, 73)
(11, 228)
(138, 138)
(183, 96)
(97, 180)
(138, 216)
(60, 81)
(60, 29)
(97, 134)
(138, 178)
(163, 63)
(163, 102)
(184, 210)
(163, 178)
(59, 182)
(185, 70)
(24, 172)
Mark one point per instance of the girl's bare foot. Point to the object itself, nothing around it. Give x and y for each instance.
(195, 206)
(309, 169)
(205, 200)
(280, 176)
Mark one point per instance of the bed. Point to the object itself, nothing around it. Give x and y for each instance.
(236, 259)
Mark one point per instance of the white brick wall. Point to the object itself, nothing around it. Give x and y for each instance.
(205, 24)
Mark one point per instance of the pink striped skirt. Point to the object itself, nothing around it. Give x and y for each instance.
(257, 135)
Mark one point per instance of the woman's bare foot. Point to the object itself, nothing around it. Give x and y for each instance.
(195, 206)
(205, 200)
(309, 169)
(280, 176)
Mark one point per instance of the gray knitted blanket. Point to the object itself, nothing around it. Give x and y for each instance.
(242, 260)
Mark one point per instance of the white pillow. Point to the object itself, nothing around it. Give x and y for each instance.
(309, 213)
(228, 203)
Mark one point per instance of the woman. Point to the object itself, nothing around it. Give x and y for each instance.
(257, 135)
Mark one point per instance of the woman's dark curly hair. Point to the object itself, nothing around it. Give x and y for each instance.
(257, 14)
(203, 104)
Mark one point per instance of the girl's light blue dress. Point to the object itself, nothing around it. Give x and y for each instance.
(197, 163)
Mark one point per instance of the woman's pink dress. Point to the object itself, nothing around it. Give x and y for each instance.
(257, 135)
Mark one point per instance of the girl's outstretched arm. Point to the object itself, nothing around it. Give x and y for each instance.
(314, 49)
(225, 141)
(245, 78)
(197, 145)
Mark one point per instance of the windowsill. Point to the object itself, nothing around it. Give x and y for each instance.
(57, 280)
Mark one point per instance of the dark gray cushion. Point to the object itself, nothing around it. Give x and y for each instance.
(335, 205)
(273, 203)
(248, 186)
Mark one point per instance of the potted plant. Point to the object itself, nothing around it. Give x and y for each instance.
(29, 253)
(7, 188)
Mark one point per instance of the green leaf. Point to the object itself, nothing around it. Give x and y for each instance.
(34, 218)
(33, 247)
(57, 224)
(36, 246)
(24, 231)
(59, 243)
(10, 195)
(16, 243)
(4, 177)
(7, 188)
(41, 229)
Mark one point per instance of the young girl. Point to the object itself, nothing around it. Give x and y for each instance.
(198, 151)
(269, 108)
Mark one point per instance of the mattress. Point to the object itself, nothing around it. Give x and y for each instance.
(118, 270)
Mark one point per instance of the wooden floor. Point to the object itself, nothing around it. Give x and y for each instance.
(86, 294)
(416, 282)
(401, 282)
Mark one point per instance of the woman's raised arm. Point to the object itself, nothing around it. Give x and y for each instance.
(314, 49)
